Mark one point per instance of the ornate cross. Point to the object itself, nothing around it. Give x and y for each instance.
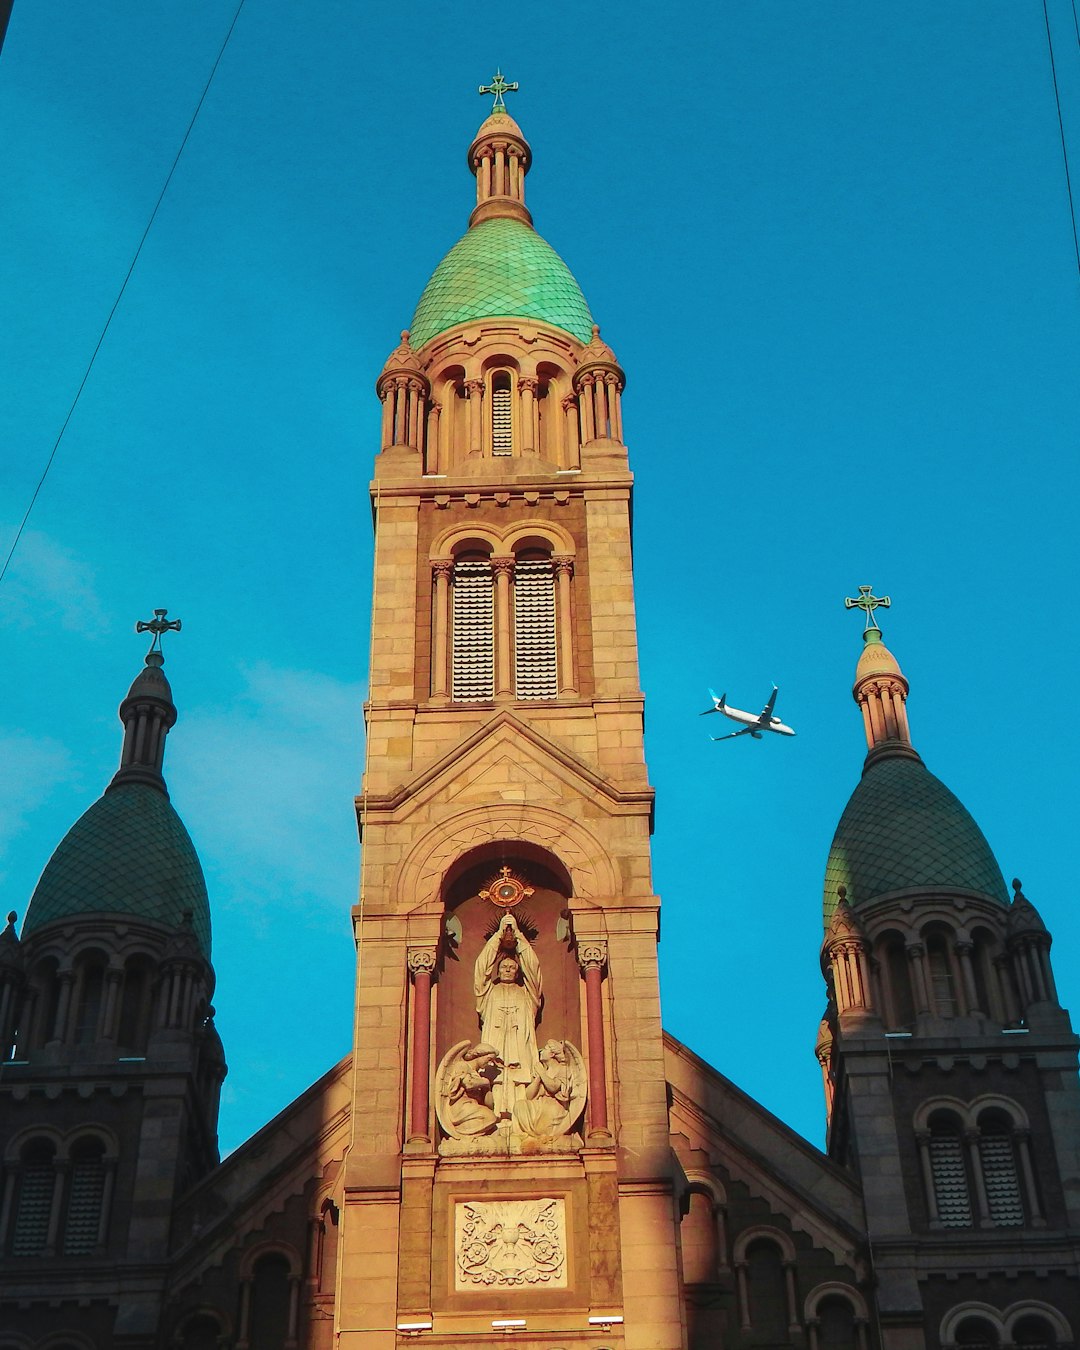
(158, 624)
(867, 601)
(498, 87)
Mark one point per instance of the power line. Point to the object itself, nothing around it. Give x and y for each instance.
(1061, 129)
(119, 296)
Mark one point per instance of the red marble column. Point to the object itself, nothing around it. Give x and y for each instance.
(593, 958)
(421, 967)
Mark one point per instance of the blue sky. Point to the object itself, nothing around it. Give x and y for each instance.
(830, 244)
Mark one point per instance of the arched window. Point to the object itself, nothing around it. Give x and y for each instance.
(536, 654)
(472, 603)
(134, 1026)
(699, 1240)
(502, 415)
(997, 1156)
(201, 1332)
(45, 985)
(1033, 1333)
(976, 1333)
(949, 1172)
(836, 1324)
(269, 1325)
(896, 971)
(84, 1223)
(34, 1201)
(767, 1291)
(89, 988)
(942, 981)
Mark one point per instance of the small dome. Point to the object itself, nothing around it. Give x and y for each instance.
(499, 124)
(875, 658)
(501, 269)
(902, 829)
(129, 854)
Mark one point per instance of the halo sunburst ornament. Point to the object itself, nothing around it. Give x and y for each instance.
(506, 890)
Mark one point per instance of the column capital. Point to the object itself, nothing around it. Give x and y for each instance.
(569, 401)
(474, 388)
(422, 960)
(529, 383)
(502, 564)
(914, 950)
(563, 562)
(442, 567)
(592, 955)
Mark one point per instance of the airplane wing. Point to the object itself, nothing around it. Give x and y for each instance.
(745, 732)
(766, 712)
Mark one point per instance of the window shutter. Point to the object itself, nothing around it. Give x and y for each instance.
(536, 665)
(950, 1179)
(1002, 1183)
(84, 1206)
(35, 1207)
(502, 434)
(473, 659)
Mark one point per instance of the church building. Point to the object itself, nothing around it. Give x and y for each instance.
(515, 1153)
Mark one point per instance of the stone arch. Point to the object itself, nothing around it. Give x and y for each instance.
(591, 871)
(934, 1104)
(254, 1254)
(30, 1134)
(98, 1133)
(770, 1234)
(835, 1288)
(1031, 1307)
(955, 1317)
(448, 539)
(189, 1320)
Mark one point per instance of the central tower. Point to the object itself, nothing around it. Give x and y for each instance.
(510, 1154)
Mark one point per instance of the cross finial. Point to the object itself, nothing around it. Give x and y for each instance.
(498, 87)
(867, 601)
(157, 625)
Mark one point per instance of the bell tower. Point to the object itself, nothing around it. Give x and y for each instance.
(510, 1158)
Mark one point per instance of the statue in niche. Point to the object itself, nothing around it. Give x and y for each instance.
(554, 1099)
(468, 1099)
(508, 989)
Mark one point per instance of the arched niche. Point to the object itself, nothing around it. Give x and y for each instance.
(472, 919)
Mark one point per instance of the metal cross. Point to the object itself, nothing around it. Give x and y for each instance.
(158, 624)
(867, 601)
(498, 87)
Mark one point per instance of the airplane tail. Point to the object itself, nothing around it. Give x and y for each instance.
(718, 703)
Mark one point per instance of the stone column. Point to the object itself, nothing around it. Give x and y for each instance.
(743, 1287)
(108, 1183)
(963, 949)
(922, 1138)
(600, 393)
(1022, 1141)
(114, 978)
(527, 387)
(592, 956)
(588, 419)
(244, 1329)
(399, 410)
(864, 708)
(52, 1235)
(615, 407)
(564, 571)
(1008, 993)
(573, 433)
(387, 397)
(58, 1031)
(433, 455)
(294, 1312)
(971, 1139)
(441, 570)
(500, 170)
(474, 390)
(503, 568)
(421, 962)
(792, 1299)
(916, 954)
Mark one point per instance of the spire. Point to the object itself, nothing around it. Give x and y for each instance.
(880, 687)
(148, 712)
(499, 158)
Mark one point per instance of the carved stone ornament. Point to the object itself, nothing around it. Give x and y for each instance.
(479, 1117)
(421, 959)
(506, 890)
(505, 1243)
(592, 955)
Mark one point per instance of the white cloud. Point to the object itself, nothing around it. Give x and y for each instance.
(46, 583)
(265, 788)
(33, 768)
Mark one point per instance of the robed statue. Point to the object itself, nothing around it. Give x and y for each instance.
(508, 988)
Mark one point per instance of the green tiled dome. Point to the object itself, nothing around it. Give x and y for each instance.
(501, 268)
(129, 854)
(903, 828)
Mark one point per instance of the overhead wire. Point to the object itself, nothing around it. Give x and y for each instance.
(119, 296)
(1061, 126)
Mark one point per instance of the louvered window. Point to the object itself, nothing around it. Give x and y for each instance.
(536, 667)
(473, 655)
(999, 1173)
(34, 1208)
(950, 1177)
(502, 426)
(85, 1198)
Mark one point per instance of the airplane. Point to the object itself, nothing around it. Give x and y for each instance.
(754, 724)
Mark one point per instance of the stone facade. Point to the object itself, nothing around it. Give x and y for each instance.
(460, 1179)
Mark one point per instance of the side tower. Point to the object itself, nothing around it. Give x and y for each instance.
(510, 1156)
(950, 1066)
(112, 1067)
